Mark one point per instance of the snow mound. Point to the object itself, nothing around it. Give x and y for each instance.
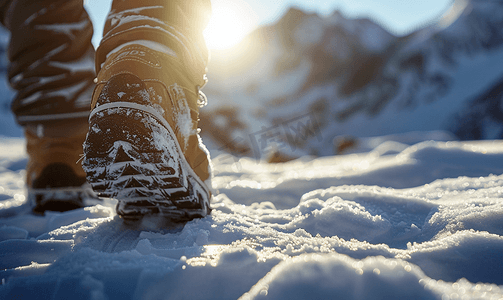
(425, 222)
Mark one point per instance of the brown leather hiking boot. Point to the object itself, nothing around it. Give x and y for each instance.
(54, 179)
(143, 146)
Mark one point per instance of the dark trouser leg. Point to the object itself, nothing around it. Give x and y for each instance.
(178, 24)
(51, 58)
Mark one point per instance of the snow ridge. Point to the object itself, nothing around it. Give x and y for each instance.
(423, 223)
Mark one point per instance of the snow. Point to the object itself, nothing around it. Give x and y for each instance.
(431, 109)
(452, 64)
(310, 32)
(375, 38)
(424, 221)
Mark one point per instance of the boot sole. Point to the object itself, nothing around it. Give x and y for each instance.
(132, 155)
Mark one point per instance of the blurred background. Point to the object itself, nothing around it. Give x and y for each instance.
(295, 78)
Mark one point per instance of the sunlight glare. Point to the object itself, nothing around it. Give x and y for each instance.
(230, 22)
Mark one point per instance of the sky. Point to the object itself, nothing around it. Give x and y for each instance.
(397, 16)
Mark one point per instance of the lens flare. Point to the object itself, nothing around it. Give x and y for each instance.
(230, 21)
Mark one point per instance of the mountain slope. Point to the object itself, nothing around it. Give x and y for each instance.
(307, 80)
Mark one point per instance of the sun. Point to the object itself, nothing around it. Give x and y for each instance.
(230, 21)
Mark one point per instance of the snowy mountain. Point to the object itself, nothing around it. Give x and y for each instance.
(308, 82)
(316, 85)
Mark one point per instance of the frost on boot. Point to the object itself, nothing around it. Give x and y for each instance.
(132, 154)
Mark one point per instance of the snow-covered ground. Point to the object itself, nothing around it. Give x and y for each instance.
(424, 222)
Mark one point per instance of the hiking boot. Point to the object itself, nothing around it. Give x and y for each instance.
(143, 146)
(54, 180)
